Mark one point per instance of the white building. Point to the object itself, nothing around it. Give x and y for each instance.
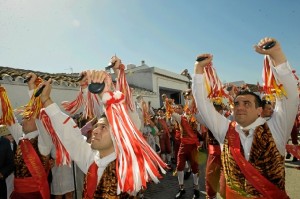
(149, 82)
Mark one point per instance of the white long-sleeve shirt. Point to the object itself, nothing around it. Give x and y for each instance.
(280, 124)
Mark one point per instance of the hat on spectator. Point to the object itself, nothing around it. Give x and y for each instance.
(4, 130)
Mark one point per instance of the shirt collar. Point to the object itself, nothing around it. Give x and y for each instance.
(103, 162)
(30, 135)
(259, 121)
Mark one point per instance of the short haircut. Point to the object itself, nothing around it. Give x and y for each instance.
(264, 103)
(161, 109)
(218, 107)
(258, 102)
(103, 116)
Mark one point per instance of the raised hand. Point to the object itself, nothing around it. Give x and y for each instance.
(83, 81)
(275, 52)
(99, 81)
(30, 80)
(201, 61)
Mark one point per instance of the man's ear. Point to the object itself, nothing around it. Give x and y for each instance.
(259, 110)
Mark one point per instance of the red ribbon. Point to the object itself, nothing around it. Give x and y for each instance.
(214, 149)
(122, 85)
(75, 105)
(132, 150)
(91, 181)
(214, 84)
(61, 152)
(35, 167)
(261, 184)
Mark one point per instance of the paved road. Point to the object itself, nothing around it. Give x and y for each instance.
(168, 186)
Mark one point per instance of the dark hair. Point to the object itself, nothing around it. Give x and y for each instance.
(258, 102)
(161, 109)
(218, 107)
(264, 103)
(103, 116)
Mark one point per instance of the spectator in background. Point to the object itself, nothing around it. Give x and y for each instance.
(10, 178)
(6, 161)
(267, 109)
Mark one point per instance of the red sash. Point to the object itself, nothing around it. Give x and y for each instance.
(91, 181)
(294, 150)
(214, 149)
(35, 168)
(261, 184)
(25, 185)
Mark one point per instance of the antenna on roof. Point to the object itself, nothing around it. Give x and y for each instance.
(71, 69)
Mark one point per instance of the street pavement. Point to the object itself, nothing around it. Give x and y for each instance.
(168, 186)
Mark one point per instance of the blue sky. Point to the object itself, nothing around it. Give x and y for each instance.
(55, 36)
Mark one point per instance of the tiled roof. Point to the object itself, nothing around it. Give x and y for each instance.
(19, 74)
(59, 79)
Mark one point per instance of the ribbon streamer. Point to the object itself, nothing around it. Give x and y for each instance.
(137, 163)
(6, 112)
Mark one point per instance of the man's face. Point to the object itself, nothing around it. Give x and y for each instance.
(267, 111)
(101, 138)
(245, 112)
(179, 110)
(9, 137)
(160, 113)
(28, 125)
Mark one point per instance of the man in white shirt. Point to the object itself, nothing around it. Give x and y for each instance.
(32, 154)
(112, 170)
(262, 143)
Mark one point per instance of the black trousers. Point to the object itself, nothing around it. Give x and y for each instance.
(3, 189)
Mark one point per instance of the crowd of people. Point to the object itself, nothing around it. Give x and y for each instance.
(115, 147)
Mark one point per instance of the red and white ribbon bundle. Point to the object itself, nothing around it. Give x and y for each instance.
(214, 85)
(74, 106)
(6, 111)
(62, 156)
(137, 163)
(90, 105)
(122, 85)
(271, 85)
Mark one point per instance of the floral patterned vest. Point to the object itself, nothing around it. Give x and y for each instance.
(264, 156)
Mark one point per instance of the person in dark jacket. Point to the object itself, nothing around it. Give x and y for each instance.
(6, 161)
